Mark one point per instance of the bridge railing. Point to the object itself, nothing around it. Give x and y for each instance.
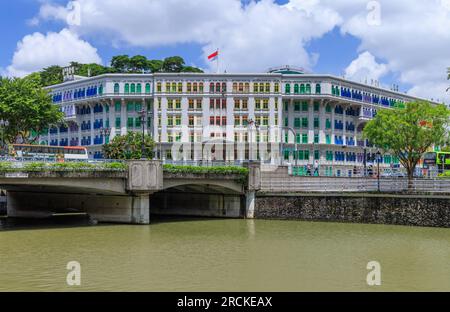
(348, 185)
(202, 163)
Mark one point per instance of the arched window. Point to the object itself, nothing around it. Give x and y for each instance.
(127, 88)
(277, 87)
(133, 88)
(100, 89)
(261, 87)
(255, 87)
(288, 88)
(139, 88)
(235, 87)
(189, 87)
(302, 89)
(195, 88)
(318, 88)
(211, 87)
(267, 88)
(247, 87)
(147, 88)
(180, 87)
(296, 89)
(224, 87)
(174, 87)
(217, 87)
(241, 87)
(308, 88)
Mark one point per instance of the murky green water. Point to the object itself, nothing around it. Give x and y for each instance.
(225, 255)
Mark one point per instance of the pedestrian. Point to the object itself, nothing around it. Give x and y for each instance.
(316, 168)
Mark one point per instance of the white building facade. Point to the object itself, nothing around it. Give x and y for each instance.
(280, 117)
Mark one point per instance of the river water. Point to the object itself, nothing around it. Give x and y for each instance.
(222, 255)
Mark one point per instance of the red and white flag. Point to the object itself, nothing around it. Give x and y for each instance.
(214, 56)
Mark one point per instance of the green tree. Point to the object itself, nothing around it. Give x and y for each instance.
(138, 63)
(155, 66)
(121, 63)
(27, 108)
(410, 132)
(51, 75)
(190, 69)
(129, 147)
(173, 64)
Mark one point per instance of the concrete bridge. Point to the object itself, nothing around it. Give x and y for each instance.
(130, 196)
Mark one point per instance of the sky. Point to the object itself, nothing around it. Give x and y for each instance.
(402, 42)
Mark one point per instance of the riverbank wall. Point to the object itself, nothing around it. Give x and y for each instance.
(390, 209)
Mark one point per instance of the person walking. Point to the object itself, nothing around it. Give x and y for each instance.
(316, 168)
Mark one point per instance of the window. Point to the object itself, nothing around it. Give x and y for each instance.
(127, 88)
(138, 107)
(305, 106)
(237, 121)
(302, 89)
(277, 88)
(118, 122)
(117, 106)
(180, 87)
(288, 88)
(147, 88)
(139, 88)
(316, 106)
(328, 139)
(267, 88)
(328, 124)
(305, 139)
(308, 88)
(316, 155)
(297, 123)
(286, 122)
(318, 88)
(316, 122)
(138, 122)
(316, 138)
(170, 122)
(305, 122)
(178, 120)
(298, 138)
(159, 87)
(116, 88)
(130, 107)
(189, 87)
(265, 121)
(195, 87)
(296, 89)
(297, 106)
(328, 108)
(130, 122)
(255, 87)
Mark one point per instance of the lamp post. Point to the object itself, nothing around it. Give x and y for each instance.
(143, 116)
(378, 169)
(106, 132)
(3, 125)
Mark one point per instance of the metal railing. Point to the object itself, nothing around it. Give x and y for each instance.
(270, 183)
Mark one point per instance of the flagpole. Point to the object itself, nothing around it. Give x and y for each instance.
(218, 57)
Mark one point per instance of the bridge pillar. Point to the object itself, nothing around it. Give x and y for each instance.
(140, 213)
(250, 198)
(254, 185)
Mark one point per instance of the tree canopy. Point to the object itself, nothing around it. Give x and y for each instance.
(119, 64)
(27, 108)
(129, 147)
(410, 132)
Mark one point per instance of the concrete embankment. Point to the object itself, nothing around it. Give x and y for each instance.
(411, 210)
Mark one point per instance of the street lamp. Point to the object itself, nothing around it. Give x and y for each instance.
(106, 132)
(143, 116)
(3, 125)
(378, 169)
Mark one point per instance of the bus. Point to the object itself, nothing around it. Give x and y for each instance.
(37, 152)
(437, 160)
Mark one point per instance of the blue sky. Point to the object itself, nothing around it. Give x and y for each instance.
(325, 36)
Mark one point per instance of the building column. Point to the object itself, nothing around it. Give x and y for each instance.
(112, 120)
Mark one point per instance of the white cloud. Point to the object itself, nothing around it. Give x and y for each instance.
(37, 51)
(251, 37)
(412, 37)
(365, 67)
